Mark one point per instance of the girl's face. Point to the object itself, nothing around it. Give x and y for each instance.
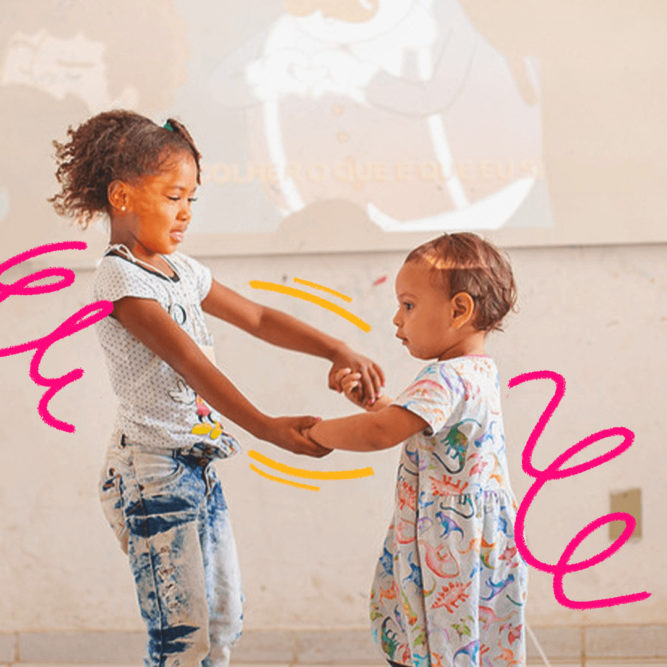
(158, 209)
(428, 323)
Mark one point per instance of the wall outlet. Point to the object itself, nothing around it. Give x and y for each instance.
(629, 501)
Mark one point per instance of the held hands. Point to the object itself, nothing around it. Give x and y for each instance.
(290, 434)
(360, 378)
(350, 384)
(371, 377)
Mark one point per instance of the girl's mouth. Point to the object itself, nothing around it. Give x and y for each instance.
(177, 236)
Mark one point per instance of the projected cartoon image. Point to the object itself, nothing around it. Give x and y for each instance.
(399, 106)
(58, 64)
(62, 67)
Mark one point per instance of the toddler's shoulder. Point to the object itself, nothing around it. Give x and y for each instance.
(460, 378)
(472, 366)
(444, 373)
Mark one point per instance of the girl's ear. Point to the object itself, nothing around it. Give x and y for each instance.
(118, 194)
(463, 309)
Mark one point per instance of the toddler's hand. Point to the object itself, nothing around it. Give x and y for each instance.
(372, 377)
(351, 386)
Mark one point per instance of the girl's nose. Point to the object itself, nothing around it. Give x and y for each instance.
(185, 212)
(396, 319)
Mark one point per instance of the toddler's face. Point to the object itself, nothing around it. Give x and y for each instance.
(424, 318)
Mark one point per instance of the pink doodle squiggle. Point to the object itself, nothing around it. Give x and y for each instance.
(84, 317)
(555, 471)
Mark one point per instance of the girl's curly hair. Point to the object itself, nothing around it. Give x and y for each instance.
(465, 262)
(113, 145)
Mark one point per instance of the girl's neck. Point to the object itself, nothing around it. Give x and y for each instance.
(154, 260)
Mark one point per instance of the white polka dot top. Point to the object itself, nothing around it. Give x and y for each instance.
(157, 409)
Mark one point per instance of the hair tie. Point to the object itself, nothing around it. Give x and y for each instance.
(168, 126)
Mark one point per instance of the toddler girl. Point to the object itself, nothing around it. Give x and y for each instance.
(450, 587)
(159, 490)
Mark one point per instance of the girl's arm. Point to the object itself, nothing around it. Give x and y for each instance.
(286, 331)
(147, 321)
(367, 432)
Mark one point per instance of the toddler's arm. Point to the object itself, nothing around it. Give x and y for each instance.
(149, 322)
(370, 431)
(286, 331)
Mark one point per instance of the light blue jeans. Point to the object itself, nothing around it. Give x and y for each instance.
(169, 514)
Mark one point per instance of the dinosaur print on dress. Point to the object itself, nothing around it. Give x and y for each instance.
(450, 585)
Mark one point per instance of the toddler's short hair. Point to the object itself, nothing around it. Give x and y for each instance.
(465, 262)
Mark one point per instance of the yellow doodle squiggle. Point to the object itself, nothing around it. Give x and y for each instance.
(281, 467)
(310, 474)
(273, 478)
(307, 283)
(317, 300)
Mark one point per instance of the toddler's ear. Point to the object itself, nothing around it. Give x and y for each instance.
(463, 308)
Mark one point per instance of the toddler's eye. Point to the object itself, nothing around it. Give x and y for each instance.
(191, 199)
(408, 306)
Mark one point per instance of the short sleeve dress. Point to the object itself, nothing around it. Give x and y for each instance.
(450, 586)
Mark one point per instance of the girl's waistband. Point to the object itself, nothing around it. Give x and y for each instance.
(200, 453)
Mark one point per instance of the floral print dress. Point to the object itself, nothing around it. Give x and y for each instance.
(450, 586)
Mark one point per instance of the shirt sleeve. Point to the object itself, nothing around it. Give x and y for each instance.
(202, 276)
(433, 396)
(117, 278)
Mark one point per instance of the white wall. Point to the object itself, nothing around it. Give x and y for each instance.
(594, 314)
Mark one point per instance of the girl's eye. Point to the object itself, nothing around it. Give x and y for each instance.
(190, 199)
(408, 306)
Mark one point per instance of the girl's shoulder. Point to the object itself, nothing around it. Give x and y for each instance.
(193, 273)
(186, 263)
(111, 265)
(117, 277)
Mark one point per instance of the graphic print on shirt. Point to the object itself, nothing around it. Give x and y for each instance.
(205, 424)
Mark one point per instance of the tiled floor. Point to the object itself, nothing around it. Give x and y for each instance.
(659, 663)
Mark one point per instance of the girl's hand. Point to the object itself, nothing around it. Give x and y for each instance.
(372, 377)
(288, 433)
